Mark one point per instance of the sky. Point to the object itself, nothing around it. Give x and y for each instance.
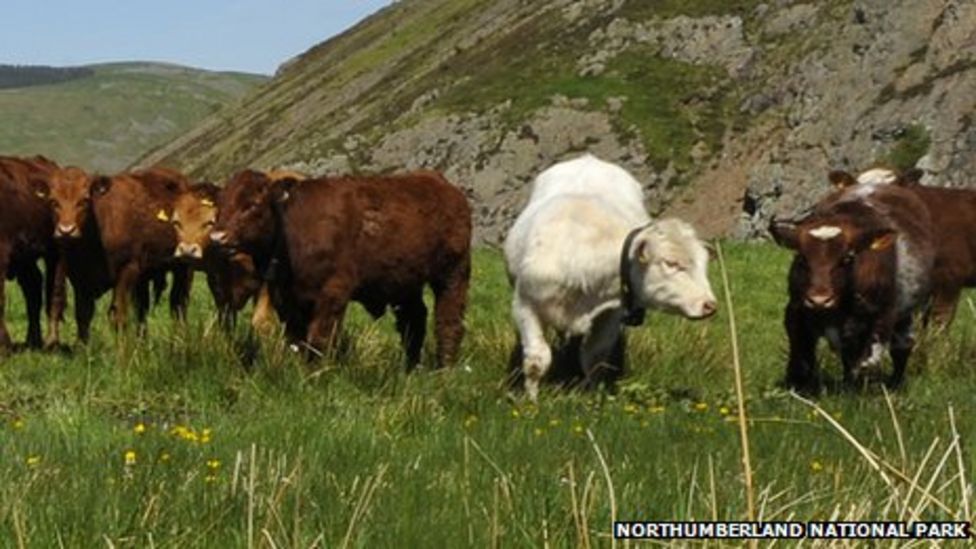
(240, 35)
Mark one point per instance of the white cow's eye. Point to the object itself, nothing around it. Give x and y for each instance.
(673, 265)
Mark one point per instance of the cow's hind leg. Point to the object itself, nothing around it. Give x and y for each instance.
(411, 323)
(4, 265)
(450, 301)
(536, 355)
(31, 284)
(602, 352)
(125, 286)
(902, 342)
(942, 307)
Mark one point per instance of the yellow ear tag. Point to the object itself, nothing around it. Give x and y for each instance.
(207, 202)
(883, 242)
(161, 215)
(39, 194)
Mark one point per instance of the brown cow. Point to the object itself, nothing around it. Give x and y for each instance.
(232, 279)
(115, 233)
(862, 268)
(25, 237)
(374, 240)
(953, 214)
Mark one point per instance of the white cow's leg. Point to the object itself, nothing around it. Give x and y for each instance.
(537, 357)
(602, 351)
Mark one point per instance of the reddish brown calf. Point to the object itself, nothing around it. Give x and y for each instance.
(862, 267)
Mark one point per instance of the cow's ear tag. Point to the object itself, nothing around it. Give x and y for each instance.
(161, 215)
(207, 202)
(883, 242)
(40, 194)
(284, 196)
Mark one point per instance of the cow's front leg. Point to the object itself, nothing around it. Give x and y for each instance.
(536, 354)
(602, 351)
(55, 276)
(801, 368)
(329, 309)
(31, 284)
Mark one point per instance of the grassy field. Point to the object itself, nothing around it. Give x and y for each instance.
(172, 441)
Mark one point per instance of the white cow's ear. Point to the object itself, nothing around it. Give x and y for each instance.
(643, 252)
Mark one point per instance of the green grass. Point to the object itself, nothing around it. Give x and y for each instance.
(104, 122)
(355, 451)
(908, 148)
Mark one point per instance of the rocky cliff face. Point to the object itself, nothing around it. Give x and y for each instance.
(728, 111)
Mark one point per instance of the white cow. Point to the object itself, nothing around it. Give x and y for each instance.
(584, 258)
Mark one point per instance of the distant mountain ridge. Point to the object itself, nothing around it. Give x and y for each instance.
(23, 76)
(729, 111)
(102, 117)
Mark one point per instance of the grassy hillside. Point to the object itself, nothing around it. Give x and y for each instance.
(172, 441)
(106, 120)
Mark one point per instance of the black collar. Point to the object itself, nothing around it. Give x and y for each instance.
(633, 314)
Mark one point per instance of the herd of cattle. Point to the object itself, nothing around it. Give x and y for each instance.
(584, 259)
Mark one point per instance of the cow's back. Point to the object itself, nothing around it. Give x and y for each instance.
(577, 217)
(953, 215)
(382, 232)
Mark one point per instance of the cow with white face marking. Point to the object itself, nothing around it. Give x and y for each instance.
(585, 258)
(862, 268)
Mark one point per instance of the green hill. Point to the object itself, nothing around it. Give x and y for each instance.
(113, 113)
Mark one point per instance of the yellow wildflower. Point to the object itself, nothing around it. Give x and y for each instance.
(164, 457)
(630, 408)
(33, 461)
(816, 466)
(578, 429)
(515, 414)
(210, 479)
(213, 464)
(130, 457)
(656, 409)
(538, 432)
(18, 424)
(470, 420)
(724, 410)
(701, 406)
(139, 428)
(554, 422)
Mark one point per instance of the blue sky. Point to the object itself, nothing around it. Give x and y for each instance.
(243, 35)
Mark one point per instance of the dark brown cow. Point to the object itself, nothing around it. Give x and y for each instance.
(953, 213)
(862, 268)
(232, 279)
(115, 233)
(374, 240)
(25, 237)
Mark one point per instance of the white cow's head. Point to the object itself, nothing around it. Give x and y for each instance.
(668, 270)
